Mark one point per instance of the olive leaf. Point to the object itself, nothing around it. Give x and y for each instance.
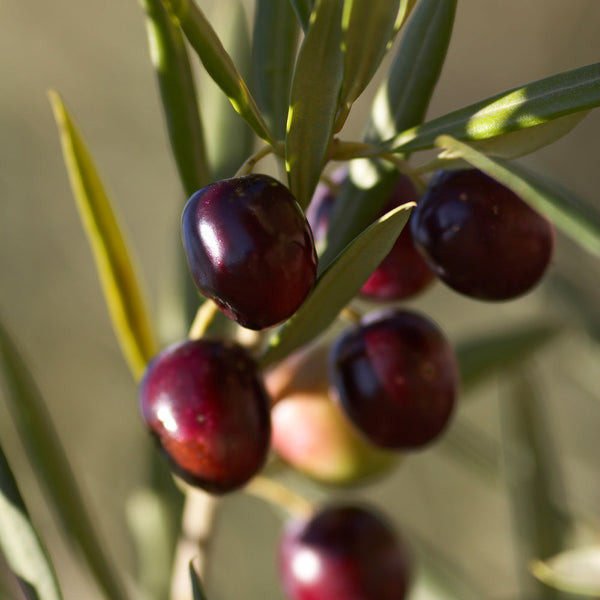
(560, 206)
(219, 64)
(338, 284)
(114, 261)
(519, 108)
(23, 550)
(303, 9)
(178, 94)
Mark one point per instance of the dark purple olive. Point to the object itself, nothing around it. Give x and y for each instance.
(207, 407)
(396, 377)
(344, 552)
(250, 249)
(403, 273)
(480, 238)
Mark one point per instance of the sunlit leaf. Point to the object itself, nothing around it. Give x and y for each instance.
(368, 29)
(576, 571)
(114, 262)
(561, 207)
(338, 284)
(218, 64)
(50, 462)
(273, 55)
(519, 108)
(178, 94)
(313, 106)
(22, 548)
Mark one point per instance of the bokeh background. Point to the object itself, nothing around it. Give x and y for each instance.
(95, 54)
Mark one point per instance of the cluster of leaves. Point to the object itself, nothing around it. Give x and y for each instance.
(310, 62)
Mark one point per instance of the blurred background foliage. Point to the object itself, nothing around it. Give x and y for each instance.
(460, 500)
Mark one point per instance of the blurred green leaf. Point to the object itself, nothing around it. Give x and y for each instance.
(219, 65)
(314, 99)
(403, 97)
(496, 351)
(401, 102)
(50, 463)
(24, 552)
(197, 589)
(520, 108)
(222, 123)
(576, 571)
(274, 44)
(114, 262)
(338, 284)
(178, 93)
(554, 202)
(368, 29)
(303, 9)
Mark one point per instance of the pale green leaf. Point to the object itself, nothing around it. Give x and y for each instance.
(338, 284)
(519, 108)
(576, 571)
(315, 89)
(51, 464)
(552, 201)
(219, 64)
(178, 93)
(114, 262)
(22, 548)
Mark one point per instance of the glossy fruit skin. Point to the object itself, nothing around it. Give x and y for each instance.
(207, 407)
(396, 377)
(344, 552)
(309, 430)
(249, 248)
(480, 238)
(403, 273)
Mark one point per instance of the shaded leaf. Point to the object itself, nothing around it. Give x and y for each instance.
(560, 206)
(114, 262)
(576, 571)
(368, 30)
(178, 94)
(23, 550)
(519, 108)
(274, 44)
(315, 89)
(50, 462)
(303, 9)
(219, 65)
(197, 589)
(338, 284)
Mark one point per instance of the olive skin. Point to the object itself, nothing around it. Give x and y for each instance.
(396, 377)
(207, 407)
(250, 249)
(344, 552)
(480, 238)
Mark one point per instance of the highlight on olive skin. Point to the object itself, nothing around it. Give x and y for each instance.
(250, 249)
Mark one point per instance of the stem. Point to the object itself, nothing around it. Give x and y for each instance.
(276, 493)
(194, 540)
(204, 317)
(250, 162)
(350, 315)
(406, 169)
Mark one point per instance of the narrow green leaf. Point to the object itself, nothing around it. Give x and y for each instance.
(303, 9)
(219, 65)
(401, 102)
(560, 206)
(274, 44)
(576, 571)
(315, 89)
(497, 351)
(197, 589)
(114, 262)
(406, 7)
(403, 98)
(520, 108)
(178, 93)
(338, 284)
(368, 30)
(51, 464)
(222, 123)
(23, 550)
